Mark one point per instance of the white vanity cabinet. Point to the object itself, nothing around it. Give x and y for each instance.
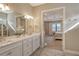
(27, 46)
(14, 49)
(24, 47)
(36, 42)
(31, 44)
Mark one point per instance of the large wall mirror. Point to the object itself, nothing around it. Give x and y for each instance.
(3, 24)
(12, 24)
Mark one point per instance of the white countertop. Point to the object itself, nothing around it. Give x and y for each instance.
(13, 39)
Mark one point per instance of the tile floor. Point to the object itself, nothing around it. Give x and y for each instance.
(52, 49)
(56, 44)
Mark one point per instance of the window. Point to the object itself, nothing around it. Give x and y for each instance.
(56, 27)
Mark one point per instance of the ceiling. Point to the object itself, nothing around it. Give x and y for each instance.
(36, 4)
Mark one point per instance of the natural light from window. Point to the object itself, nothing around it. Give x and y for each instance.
(56, 27)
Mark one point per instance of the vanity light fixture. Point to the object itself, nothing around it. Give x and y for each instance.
(28, 17)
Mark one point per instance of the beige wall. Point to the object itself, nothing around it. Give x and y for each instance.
(46, 28)
(72, 40)
(22, 8)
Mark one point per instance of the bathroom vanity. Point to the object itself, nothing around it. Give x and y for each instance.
(18, 35)
(20, 46)
(30, 44)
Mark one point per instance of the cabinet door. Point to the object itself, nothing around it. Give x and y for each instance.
(27, 47)
(16, 51)
(27, 52)
(36, 42)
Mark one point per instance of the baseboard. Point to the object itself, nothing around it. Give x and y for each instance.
(72, 52)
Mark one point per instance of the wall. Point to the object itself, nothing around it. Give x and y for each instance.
(72, 40)
(23, 8)
(46, 28)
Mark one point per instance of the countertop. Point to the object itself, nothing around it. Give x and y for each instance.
(13, 39)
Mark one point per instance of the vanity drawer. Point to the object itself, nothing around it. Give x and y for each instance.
(27, 44)
(15, 51)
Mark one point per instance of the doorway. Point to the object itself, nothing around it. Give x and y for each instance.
(52, 29)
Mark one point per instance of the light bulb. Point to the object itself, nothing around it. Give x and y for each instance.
(27, 16)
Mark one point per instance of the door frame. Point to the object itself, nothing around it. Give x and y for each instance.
(42, 26)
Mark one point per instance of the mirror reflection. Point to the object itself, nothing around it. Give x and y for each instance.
(20, 25)
(11, 24)
(3, 24)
